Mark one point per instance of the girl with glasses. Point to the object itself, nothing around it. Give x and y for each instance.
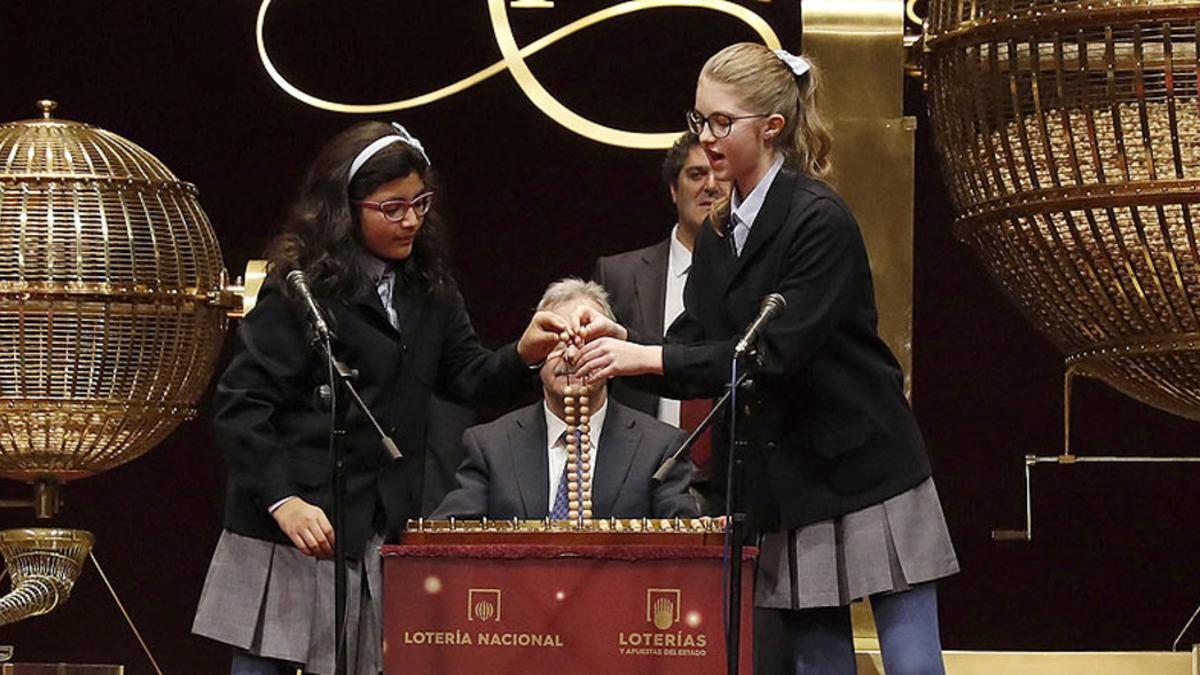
(364, 232)
(837, 481)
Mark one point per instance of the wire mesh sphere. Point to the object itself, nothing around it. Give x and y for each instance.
(111, 299)
(1069, 134)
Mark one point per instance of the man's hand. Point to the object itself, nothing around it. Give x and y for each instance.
(545, 332)
(607, 357)
(306, 525)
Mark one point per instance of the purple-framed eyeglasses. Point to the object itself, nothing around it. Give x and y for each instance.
(395, 209)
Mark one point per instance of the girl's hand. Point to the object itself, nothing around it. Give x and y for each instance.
(306, 525)
(546, 331)
(587, 324)
(607, 357)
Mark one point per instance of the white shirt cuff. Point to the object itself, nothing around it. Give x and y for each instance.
(281, 502)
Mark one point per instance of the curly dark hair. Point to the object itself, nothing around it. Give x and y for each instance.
(322, 235)
(676, 157)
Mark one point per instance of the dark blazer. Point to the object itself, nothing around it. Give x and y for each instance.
(444, 451)
(275, 440)
(636, 282)
(507, 470)
(832, 431)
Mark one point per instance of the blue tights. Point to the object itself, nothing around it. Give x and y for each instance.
(821, 641)
(245, 663)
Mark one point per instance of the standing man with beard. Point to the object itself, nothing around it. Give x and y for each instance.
(646, 285)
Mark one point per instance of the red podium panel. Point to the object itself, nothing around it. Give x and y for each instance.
(505, 603)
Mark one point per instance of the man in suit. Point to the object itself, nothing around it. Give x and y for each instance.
(446, 422)
(515, 467)
(646, 285)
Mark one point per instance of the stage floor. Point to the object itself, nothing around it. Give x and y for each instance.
(1055, 663)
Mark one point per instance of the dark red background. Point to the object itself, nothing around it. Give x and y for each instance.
(1113, 563)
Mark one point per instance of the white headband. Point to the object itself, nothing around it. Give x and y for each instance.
(401, 136)
(798, 64)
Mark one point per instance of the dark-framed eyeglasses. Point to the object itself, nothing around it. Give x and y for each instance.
(395, 209)
(718, 123)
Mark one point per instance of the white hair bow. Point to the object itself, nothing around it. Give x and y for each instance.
(798, 64)
(411, 140)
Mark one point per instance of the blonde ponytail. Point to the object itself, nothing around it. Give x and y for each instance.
(767, 85)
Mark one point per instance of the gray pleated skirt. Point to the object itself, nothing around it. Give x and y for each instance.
(273, 601)
(889, 546)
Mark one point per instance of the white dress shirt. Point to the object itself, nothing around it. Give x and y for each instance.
(679, 263)
(557, 446)
(742, 213)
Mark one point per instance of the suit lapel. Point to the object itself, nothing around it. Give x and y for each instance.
(531, 460)
(619, 444)
(768, 223)
(650, 286)
(408, 310)
(368, 300)
(713, 256)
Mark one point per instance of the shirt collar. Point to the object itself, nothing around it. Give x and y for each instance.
(680, 260)
(377, 270)
(746, 211)
(555, 427)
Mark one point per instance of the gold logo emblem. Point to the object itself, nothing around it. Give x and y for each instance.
(483, 604)
(513, 59)
(662, 607)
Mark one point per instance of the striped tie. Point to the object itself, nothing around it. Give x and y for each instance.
(560, 510)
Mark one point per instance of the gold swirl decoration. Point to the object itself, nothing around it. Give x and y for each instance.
(513, 60)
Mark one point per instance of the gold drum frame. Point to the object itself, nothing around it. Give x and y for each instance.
(112, 300)
(1069, 134)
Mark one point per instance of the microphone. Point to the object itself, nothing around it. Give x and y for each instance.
(299, 284)
(771, 307)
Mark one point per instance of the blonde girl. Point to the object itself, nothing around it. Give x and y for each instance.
(837, 481)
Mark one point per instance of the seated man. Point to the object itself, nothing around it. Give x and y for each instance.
(514, 466)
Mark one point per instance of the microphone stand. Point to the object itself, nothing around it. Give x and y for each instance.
(733, 521)
(341, 380)
(685, 448)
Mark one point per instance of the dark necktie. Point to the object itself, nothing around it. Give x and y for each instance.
(561, 510)
(727, 231)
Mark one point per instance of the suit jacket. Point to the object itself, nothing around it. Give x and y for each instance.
(831, 431)
(444, 451)
(507, 470)
(636, 282)
(275, 439)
